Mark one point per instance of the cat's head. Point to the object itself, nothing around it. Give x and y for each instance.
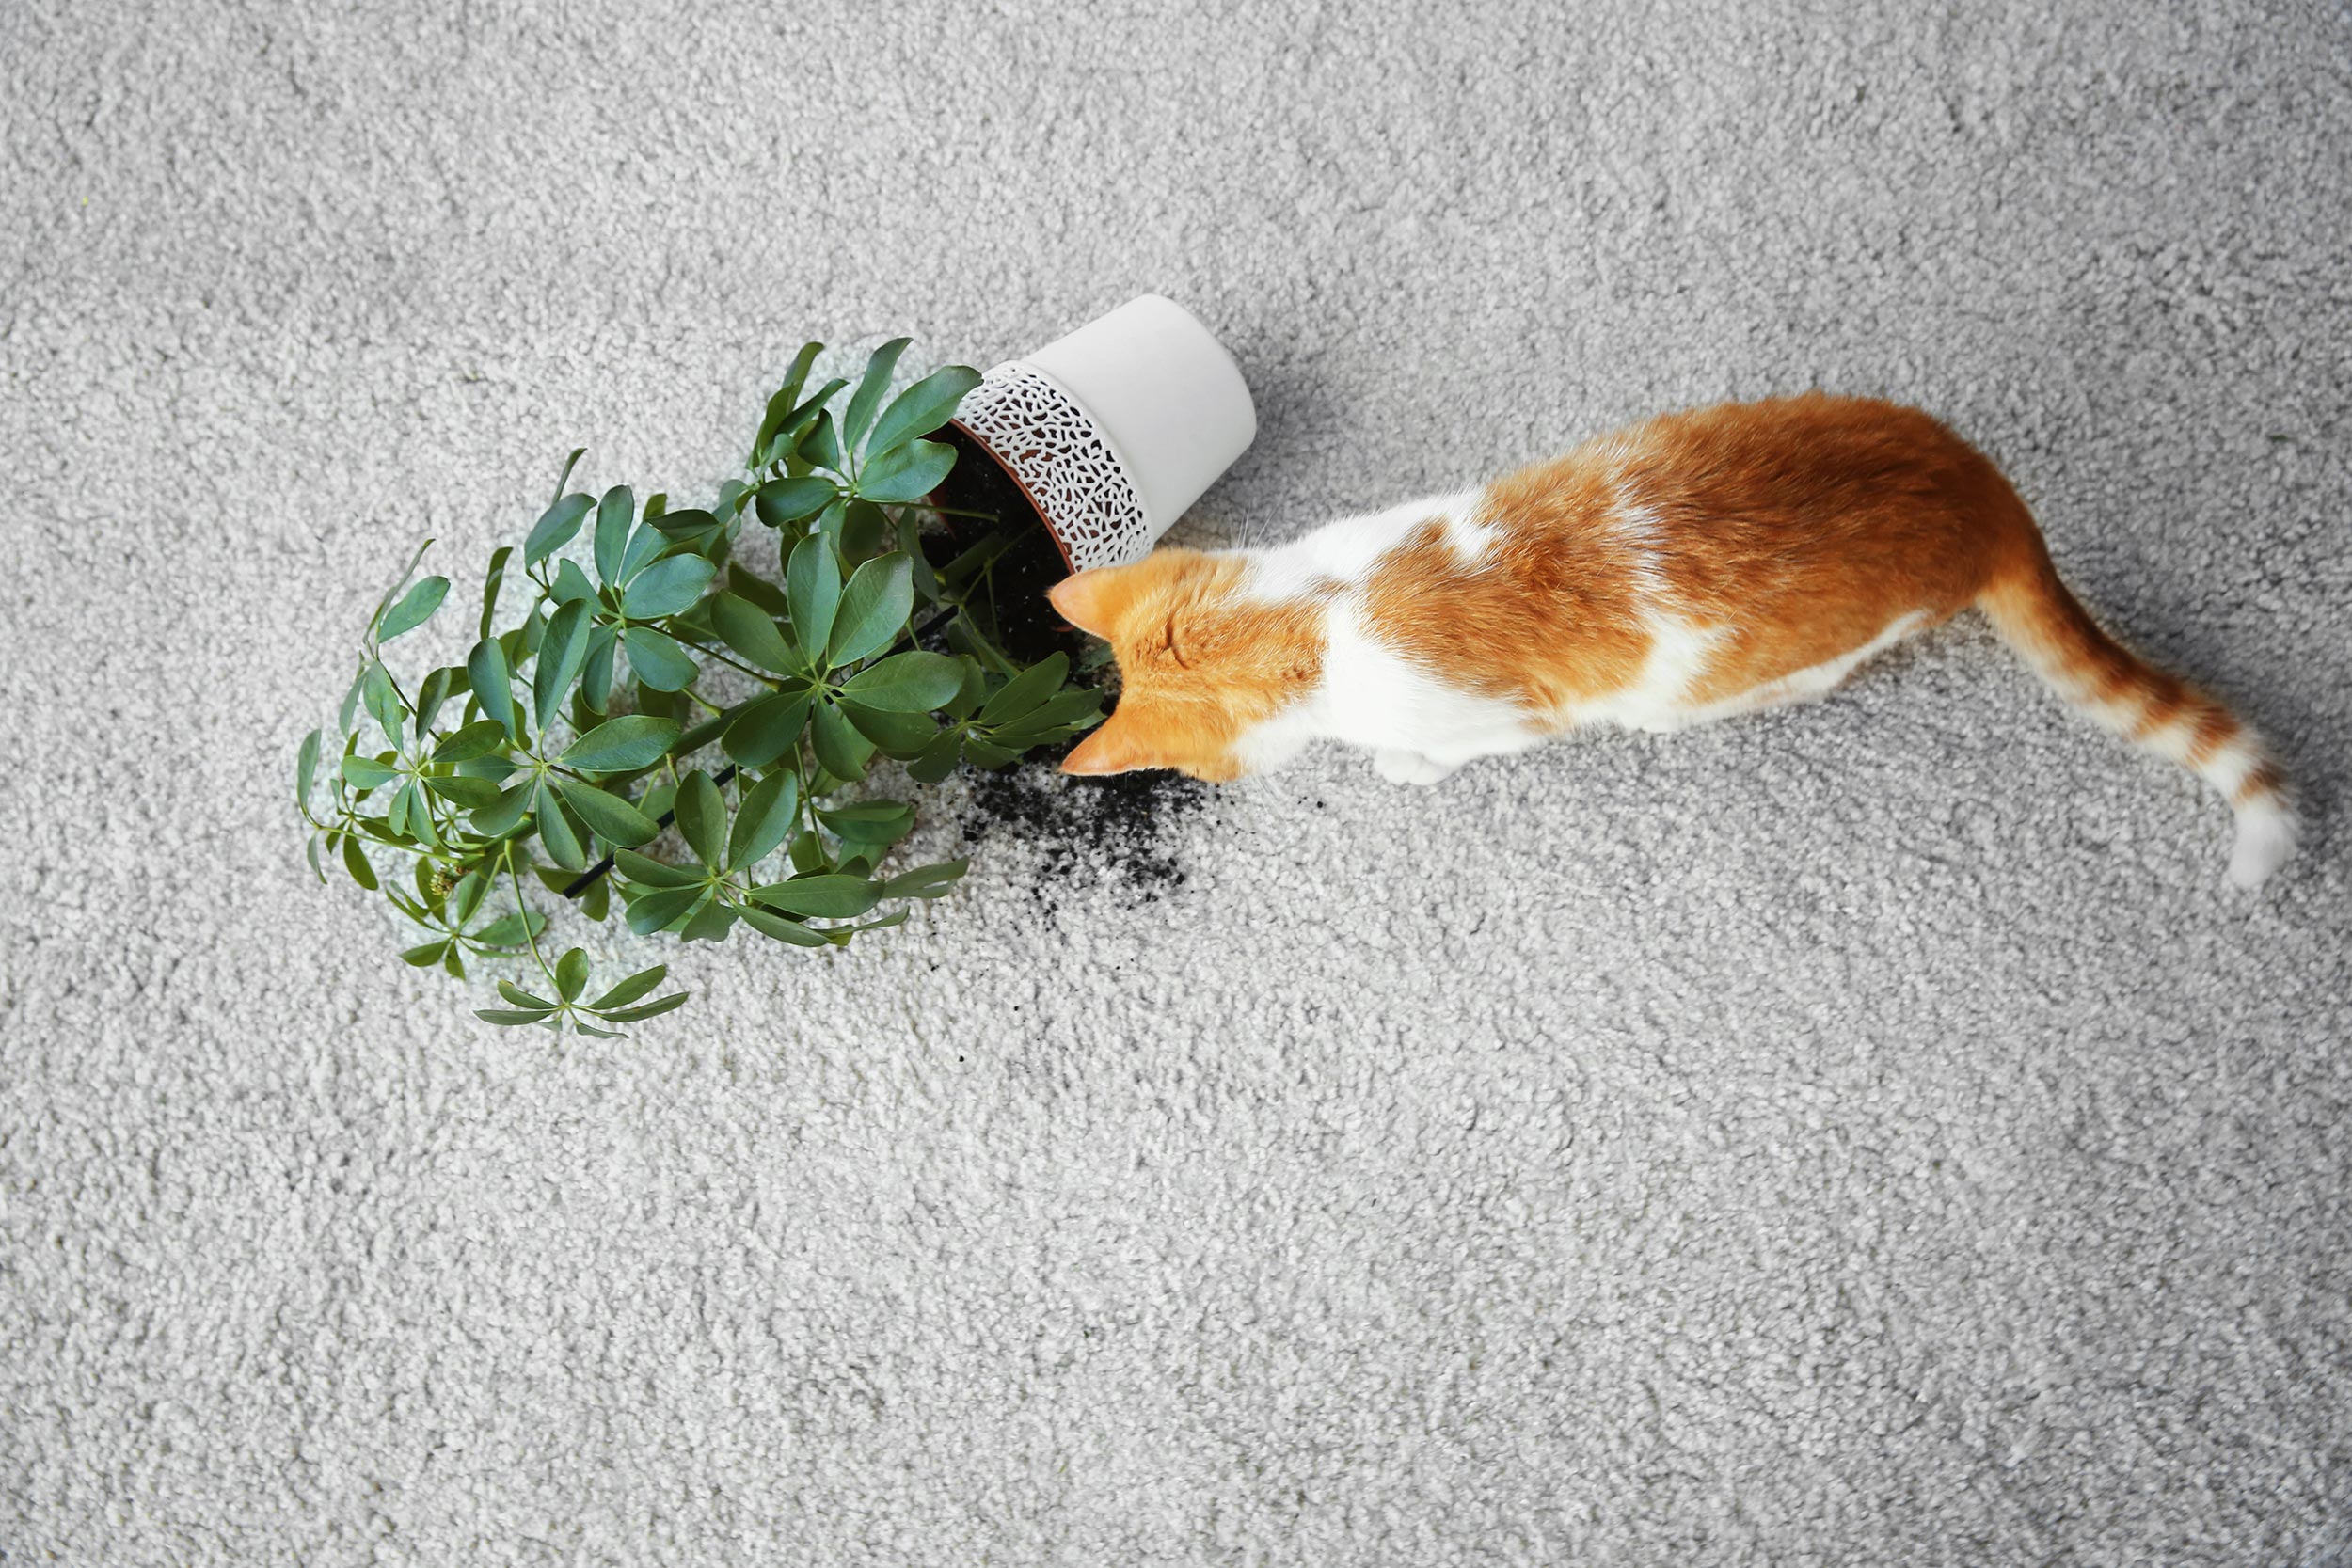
(1201, 663)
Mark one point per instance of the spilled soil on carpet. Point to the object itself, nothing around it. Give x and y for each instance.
(1124, 829)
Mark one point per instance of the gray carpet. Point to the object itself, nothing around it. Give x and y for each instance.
(1868, 1133)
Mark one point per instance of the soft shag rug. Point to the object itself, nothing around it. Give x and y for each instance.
(1868, 1133)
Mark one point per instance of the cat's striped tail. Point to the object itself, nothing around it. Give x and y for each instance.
(2035, 614)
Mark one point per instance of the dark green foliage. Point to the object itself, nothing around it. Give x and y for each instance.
(570, 736)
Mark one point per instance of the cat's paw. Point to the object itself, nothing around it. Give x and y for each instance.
(1410, 768)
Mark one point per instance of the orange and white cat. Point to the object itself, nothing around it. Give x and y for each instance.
(1690, 567)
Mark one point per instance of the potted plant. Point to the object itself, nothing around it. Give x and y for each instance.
(759, 672)
(1113, 431)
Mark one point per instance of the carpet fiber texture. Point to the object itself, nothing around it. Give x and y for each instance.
(1866, 1133)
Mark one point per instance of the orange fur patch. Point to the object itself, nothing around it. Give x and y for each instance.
(1792, 530)
(1198, 665)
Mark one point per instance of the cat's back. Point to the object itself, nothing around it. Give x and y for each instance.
(1757, 464)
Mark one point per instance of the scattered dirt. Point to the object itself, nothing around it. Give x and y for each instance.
(1123, 829)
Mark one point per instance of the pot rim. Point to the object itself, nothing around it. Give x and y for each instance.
(1046, 519)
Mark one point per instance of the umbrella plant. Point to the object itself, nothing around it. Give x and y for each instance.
(748, 673)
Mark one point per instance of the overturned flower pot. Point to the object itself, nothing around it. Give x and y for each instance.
(1106, 436)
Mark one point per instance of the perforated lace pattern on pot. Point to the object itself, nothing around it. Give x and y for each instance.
(1062, 459)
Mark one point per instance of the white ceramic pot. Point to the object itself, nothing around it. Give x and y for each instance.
(1113, 431)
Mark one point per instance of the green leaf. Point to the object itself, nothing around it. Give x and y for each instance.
(436, 690)
(651, 1009)
(667, 587)
(509, 1015)
(781, 502)
(416, 607)
(367, 772)
(522, 998)
(509, 929)
(653, 873)
(616, 512)
(865, 530)
(745, 627)
(871, 821)
(898, 735)
(983, 753)
(1063, 711)
(808, 852)
(465, 897)
(426, 956)
(665, 908)
(874, 610)
(491, 583)
(752, 586)
(684, 522)
(595, 674)
(473, 794)
(644, 546)
(571, 973)
(501, 816)
(781, 406)
(764, 819)
(926, 881)
(376, 620)
(306, 767)
(405, 800)
(832, 897)
(606, 814)
(634, 986)
(571, 584)
(621, 745)
(711, 922)
(657, 660)
(355, 862)
(556, 833)
(383, 701)
(812, 586)
(492, 687)
(821, 445)
(1027, 689)
(916, 681)
(782, 929)
(477, 739)
(766, 729)
(938, 759)
(561, 654)
(555, 528)
(921, 408)
(702, 817)
(841, 750)
(907, 474)
(870, 387)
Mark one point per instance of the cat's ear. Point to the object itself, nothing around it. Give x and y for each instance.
(1088, 601)
(1115, 747)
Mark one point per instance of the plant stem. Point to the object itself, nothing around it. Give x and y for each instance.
(755, 675)
(522, 913)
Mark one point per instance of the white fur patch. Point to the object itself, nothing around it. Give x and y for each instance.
(1679, 653)
(1373, 696)
(2267, 831)
(1343, 552)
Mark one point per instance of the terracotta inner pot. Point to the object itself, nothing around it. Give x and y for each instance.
(1025, 622)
